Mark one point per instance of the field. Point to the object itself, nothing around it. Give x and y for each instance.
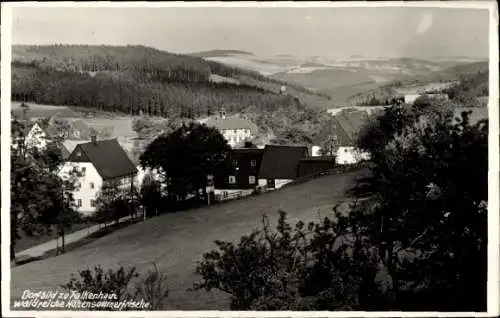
(177, 241)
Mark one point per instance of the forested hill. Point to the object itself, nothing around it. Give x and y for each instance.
(131, 79)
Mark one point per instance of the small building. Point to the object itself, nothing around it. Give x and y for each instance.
(350, 155)
(315, 151)
(235, 129)
(99, 162)
(240, 171)
(313, 165)
(280, 165)
(79, 130)
(411, 98)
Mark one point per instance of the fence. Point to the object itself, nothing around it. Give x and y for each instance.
(337, 170)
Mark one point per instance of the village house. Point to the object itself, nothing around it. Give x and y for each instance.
(240, 170)
(99, 162)
(343, 132)
(79, 130)
(235, 129)
(36, 137)
(350, 155)
(411, 98)
(39, 138)
(280, 165)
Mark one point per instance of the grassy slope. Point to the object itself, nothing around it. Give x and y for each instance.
(176, 241)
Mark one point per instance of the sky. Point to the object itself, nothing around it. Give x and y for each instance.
(369, 32)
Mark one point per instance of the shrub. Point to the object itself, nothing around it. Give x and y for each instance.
(305, 268)
(152, 289)
(110, 282)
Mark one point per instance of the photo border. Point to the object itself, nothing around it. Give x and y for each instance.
(493, 164)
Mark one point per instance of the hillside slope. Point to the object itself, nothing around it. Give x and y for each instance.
(177, 241)
(139, 79)
(435, 81)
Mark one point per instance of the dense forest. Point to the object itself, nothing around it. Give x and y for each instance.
(140, 80)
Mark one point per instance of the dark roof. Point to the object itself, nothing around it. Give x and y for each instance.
(346, 126)
(281, 162)
(108, 157)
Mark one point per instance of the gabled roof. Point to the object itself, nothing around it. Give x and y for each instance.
(346, 126)
(108, 157)
(281, 162)
(233, 122)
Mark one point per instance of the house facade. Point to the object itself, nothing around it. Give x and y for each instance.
(350, 155)
(36, 137)
(280, 165)
(235, 129)
(240, 170)
(98, 163)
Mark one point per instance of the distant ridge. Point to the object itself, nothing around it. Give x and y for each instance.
(218, 53)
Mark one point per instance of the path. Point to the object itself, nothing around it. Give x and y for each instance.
(39, 250)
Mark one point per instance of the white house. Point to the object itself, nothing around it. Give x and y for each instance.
(315, 151)
(99, 162)
(411, 98)
(142, 172)
(235, 129)
(36, 137)
(280, 165)
(350, 155)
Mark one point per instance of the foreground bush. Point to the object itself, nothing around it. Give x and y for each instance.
(301, 268)
(418, 241)
(151, 289)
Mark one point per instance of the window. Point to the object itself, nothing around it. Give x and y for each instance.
(232, 179)
(345, 150)
(92, 185)
(251, 179)
(79, 203)
(253, 163)
(235, 163)
(271, 183)
(84, 170)
(92, 203)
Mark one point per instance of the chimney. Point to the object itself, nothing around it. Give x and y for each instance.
(93, 139)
